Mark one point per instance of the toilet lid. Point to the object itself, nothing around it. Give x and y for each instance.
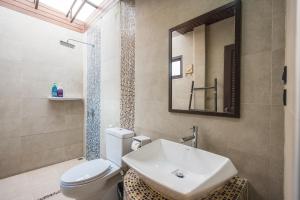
(85, 172)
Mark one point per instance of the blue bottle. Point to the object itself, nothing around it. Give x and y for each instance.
(54, 90)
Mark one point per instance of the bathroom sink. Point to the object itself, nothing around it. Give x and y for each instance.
(179, 171)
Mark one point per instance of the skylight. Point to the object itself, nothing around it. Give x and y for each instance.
(97, 2)
(80, 9)
(85, 12)
(76, 15)
(60, 5)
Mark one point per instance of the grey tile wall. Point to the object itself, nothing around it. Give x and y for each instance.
(93, 92)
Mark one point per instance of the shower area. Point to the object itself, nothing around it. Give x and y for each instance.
(42, 136)
(95, 69)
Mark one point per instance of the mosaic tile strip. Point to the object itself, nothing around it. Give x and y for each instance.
(136, 189)
(127, 103)
(49, 195)
(93, 92)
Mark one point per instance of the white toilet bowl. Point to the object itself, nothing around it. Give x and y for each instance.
(97, 179)
(92, 180)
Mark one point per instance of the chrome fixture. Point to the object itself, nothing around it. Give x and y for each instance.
(70, 45)
(193, 137)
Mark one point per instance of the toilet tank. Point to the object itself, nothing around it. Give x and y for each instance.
(118, 142)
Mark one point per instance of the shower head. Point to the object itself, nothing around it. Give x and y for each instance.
(67, 44)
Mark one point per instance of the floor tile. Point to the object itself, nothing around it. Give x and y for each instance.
(37, 183)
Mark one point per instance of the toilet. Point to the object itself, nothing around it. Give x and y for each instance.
(97, 179)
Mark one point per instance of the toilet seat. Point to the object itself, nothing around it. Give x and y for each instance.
(86, 172)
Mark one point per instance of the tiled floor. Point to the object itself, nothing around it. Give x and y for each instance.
(36, 184)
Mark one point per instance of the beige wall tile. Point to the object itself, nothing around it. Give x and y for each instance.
(33, 125)
(251, 134)
(74, 151)
(11, 88)
(41, 107)
(9, 166)
(74, 107)
(277, 70)
(254, 142)
(278, 37)
(13, 53)
(56, 123)
(35, 88)
(277, 127)
(10, 147)
(42, 158)
(255, 168)
(72, 136)
(74, 121)
(37, 125)
(256, 79)
(276, 173)
(279, 6)
(10, 127)
(25, 85)
(10, 108)
(256, 26)
(278, 26)
(41, 142)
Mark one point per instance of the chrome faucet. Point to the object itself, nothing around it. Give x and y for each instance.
(193, 137)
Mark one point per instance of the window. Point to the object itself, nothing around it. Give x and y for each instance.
(62, 6)
(62, 12)
(177, 67)
(83, 8)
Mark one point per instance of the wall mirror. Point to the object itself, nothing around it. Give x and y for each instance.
(204, 63)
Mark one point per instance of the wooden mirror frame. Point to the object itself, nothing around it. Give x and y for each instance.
(226, 11)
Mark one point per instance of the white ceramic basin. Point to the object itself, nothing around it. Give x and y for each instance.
(161, 163)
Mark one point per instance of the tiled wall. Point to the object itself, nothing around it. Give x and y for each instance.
(93, 104)
(109, 24)
(34, 131)
(127, 103)
(255, 141)
(117, 68)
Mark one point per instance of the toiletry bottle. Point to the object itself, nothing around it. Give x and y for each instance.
(54, 90)
(60, 92)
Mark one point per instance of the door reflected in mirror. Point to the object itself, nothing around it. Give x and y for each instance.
(203, 63)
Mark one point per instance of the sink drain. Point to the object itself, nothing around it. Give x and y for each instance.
(178, 173)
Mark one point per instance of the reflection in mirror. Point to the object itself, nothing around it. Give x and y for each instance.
(202, 63)
(177, 67)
